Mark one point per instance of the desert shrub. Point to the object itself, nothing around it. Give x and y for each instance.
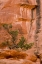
(10, 25)
(5, 26)
(21, 42)
(28, 46)
(3, 44)
(14, 35)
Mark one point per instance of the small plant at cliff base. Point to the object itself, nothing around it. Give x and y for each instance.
(14, 35)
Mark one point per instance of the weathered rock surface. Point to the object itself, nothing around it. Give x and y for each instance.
(21, 61)
(8, 54)
(17, 57)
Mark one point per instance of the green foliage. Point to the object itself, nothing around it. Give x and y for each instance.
(6, 43)
(14, 35)
(10, 25)
(21, 42)
(28, 46)
(5, 26)
(3, 44)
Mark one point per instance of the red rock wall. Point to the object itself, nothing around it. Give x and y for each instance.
(9, 13)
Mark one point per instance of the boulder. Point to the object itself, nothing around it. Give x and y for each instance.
(31, 57)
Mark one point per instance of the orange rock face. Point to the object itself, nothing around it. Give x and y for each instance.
(13, 54)
(32, 31)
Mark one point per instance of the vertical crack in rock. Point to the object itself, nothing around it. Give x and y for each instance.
(31, 22)
(38, 26)
(37, 20)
